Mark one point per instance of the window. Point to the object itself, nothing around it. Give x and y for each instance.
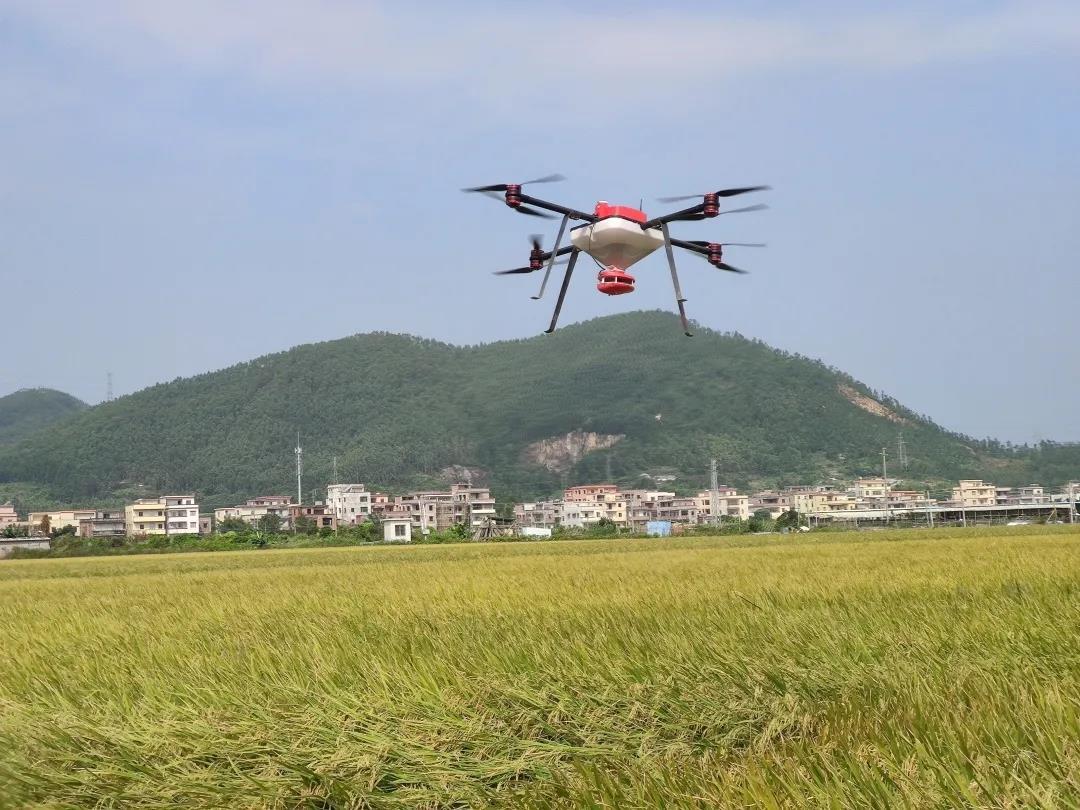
(399, 530)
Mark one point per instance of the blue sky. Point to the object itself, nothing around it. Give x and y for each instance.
(188, 185)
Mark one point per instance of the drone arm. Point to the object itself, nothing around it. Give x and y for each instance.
(675, 279)
(551, 259)
(562, 290)
(685, 213)
(693, 248)
(572, 213)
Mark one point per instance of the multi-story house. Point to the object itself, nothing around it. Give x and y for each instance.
(351, 503)
(579, 514)
(168, 514)
(58, 519)
(725, 502)
(869, 491)
(104, 523)
(253, 510)
(318, 512)
(591, 492)
(472, 506)
(539, 514)
(775, 503)
(438, 511)
(973, 492)
(1021, 496)
(678, 510)
(381, 503)
(7, 515)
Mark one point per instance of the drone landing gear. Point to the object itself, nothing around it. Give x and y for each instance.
(562, 290)
(551, 261)
(675, 280)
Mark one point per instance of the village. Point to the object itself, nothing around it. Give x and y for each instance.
(866, 501)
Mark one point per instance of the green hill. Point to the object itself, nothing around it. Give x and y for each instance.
(32, 409)
(625, 397)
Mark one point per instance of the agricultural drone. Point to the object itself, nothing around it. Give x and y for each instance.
(616, 237)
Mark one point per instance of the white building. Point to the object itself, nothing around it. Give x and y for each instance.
(579, 514)
(972, 492)
(397, 527)
(168, 514)
(350, 503)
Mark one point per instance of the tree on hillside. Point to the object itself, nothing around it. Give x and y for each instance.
(270, 523)
(789, 520)
(304, 525)
(760, 522)
(233, 524)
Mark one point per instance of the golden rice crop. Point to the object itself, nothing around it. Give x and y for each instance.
(898, 669)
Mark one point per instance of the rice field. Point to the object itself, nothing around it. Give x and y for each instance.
(912, 669)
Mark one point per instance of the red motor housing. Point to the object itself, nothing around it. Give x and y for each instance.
(711, 206)
(513, 194)
(613, 281)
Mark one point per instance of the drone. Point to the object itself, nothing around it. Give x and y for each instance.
(616, 237)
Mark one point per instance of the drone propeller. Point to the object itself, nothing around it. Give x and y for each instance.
(537, 248)
(550, 178)
(514, 189)
(526, 269)
(729, 268)
(721, 265)
(726, 192)
(699, 217)
(705, 244)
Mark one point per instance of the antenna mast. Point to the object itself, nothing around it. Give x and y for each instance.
(108, 386)
(714, 490)
(299, 470)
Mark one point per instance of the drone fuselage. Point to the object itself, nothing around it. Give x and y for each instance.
(616, 241)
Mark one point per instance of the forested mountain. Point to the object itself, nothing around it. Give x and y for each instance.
(626, 398)
(32, 409)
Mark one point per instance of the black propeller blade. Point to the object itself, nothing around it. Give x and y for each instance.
(725, 192)
(517, 270)
(730, 269)
(550, 178)
(699, 217)
(537, 245)
(705, 244)
(532, 212)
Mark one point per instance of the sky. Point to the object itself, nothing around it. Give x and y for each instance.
(184, 186)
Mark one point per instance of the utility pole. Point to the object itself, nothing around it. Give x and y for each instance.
(929, 512)
(299, 470)
(335, 470)
(901, 455)
(885, 481)
(1072, 504)
(714, 492)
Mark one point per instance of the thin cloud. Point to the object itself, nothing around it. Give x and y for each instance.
(365, 45)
